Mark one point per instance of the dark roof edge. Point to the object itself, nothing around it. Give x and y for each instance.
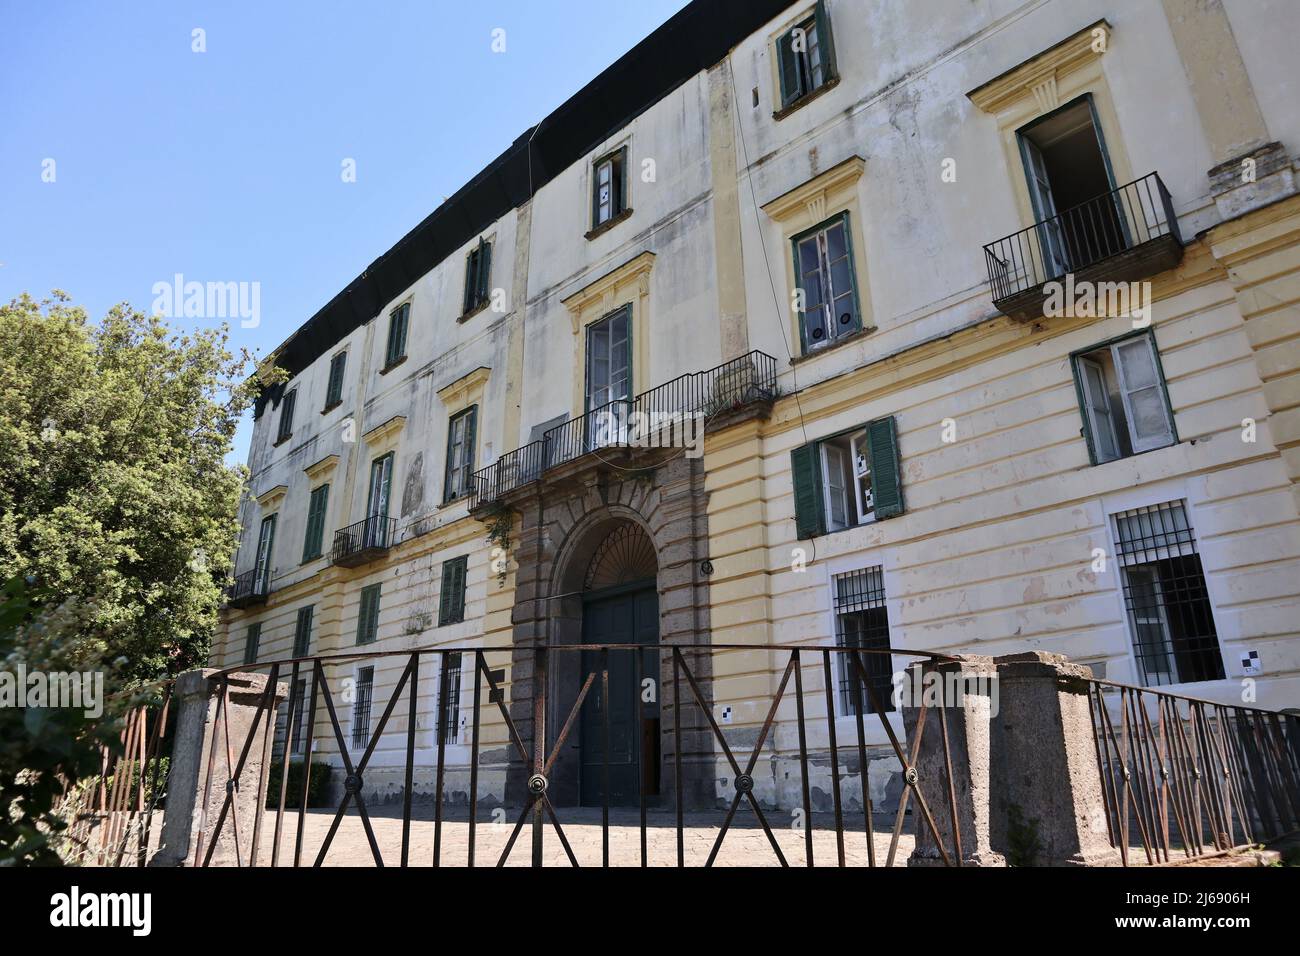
(695, 38)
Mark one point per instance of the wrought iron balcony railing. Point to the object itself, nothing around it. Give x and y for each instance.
(363, 542)
(1126, 234)
(249, 588)
(665, 410)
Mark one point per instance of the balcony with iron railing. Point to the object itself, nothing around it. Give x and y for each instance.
(249, 588)
(363, 542)
(657, 419)
(1125, 235)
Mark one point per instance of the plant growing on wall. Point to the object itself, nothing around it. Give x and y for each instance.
(499, 521)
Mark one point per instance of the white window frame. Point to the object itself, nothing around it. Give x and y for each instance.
(846, 721)
(1227, 626)
(1124, 392)
(856, 513)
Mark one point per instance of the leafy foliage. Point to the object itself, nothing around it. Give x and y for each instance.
(113, 483)
(45, 749)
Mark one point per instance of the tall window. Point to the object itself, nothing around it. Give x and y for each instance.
(368, 615)
(805, 57)
(862, 620)
(286, 415)
(398, 320)
(334, 390)
(252, 640)
(460, 453)
(1170, 619)
(824, 271)
(316, 507)
(265, 552)
(302, 631)
(1123, 399)
(451, 599)
(377, 501)
(609, 379)
(609, 188)
(449, 700)
(361, 707)
(478, 270)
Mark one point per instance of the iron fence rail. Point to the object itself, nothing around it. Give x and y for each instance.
(620, 423)
(1081, 236)
(1183, 777)
(536, 754)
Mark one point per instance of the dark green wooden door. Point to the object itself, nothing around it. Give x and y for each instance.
(625, 618)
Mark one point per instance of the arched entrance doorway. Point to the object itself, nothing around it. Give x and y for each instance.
(620, 605)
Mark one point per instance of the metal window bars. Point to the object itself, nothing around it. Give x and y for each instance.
(731, 385)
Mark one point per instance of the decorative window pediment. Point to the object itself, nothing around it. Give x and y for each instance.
(321, 469)
(270, 500)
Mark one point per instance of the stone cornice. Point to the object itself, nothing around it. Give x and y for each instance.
(270, 499)
(605, 289)
(812, 194)
(1038, 76)
(385, 432)
(464, 388)
(321, 469)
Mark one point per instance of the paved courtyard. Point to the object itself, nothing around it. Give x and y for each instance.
(745, 844)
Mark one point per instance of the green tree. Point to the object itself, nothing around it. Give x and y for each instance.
(114, 490)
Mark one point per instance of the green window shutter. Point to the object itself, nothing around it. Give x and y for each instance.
(302, 634)
(312, 546)
(334, 391)
(809, 511)
(444, 595)
(484, 272)
(251, 642)
(788, 69)
(620, 183)
(451, 599)
(826, 41)
(886, 475)
(368, 615)
(471, 436)
(471, 280)
(286, 415)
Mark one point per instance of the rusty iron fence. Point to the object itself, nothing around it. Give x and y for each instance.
(534, 752)
(112, 818)
(1184, 778)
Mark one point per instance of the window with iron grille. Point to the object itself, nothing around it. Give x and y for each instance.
(449, 701)
(286, 415)
(398, 320)
(251, 641)
(862, 620)
(334, 390)
(451, 599)
(1170, 618)
(302, 633)
(361, 708)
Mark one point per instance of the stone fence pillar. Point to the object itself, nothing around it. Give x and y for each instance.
(1026, 784)
(1047, 797)
(967, 716)
(187, 814)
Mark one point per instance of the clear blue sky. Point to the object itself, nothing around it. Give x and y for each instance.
(225, 165)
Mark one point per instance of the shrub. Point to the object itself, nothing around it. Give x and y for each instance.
(316, 787)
